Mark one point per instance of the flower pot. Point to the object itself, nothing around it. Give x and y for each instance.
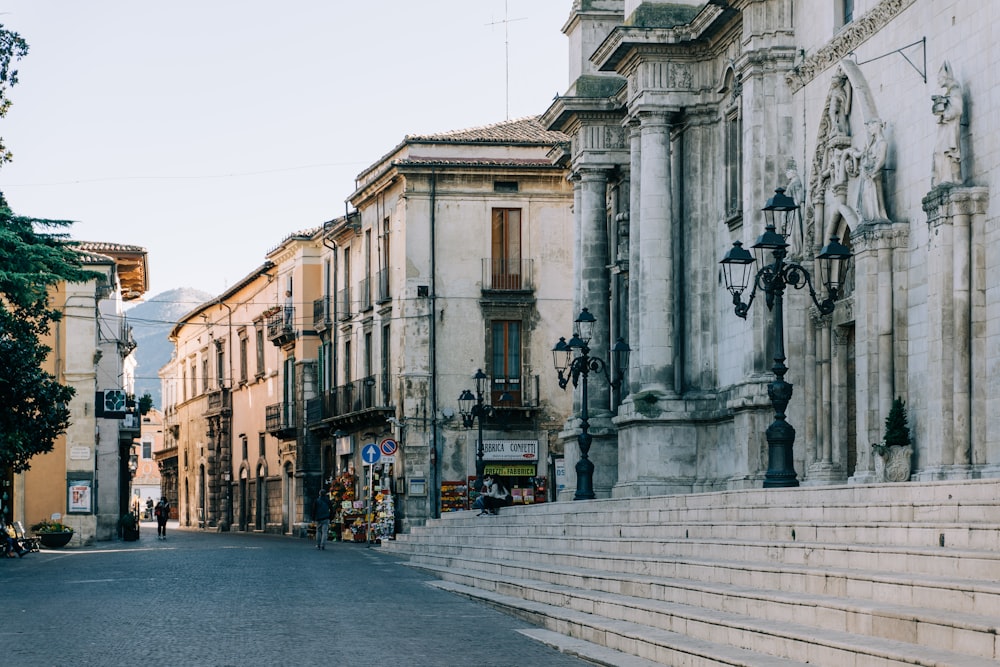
(55, 540)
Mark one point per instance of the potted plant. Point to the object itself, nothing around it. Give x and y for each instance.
(53, 533)
(130, 527)
(893, 454)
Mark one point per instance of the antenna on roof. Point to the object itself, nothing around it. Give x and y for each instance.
(506, 48)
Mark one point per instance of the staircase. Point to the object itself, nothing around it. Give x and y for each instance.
(881, 575)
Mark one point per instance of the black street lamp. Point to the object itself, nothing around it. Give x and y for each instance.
(474, 409)
(772, 278)
(572, 361)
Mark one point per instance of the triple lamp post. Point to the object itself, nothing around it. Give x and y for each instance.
(573, 361)
(780, 215)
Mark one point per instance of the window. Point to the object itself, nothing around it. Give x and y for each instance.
(259, 340)
(734, 163)
(244, 351)
(386, 357)
(505, 186)
(846, 12)
(345, 293)
(220, 363)
(243, 443)
(383, 259)
(204, 372)
(366, 290)
(261, 449)
(505, 246)
(147, 449)
(506, 362)
(194, 380)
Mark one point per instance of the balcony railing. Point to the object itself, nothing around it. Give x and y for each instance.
(281, 326)
(321, 313)
(364, 286)
(383, 286)
(344, 304)
(354, 397)
(279, 417)
(507, 275)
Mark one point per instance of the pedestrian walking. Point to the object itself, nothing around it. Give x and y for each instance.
(162, 513)
(322, 509)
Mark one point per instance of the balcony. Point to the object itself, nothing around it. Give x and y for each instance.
(321, 314)
(279, 420)
(507, 275)
(383, 287)
(281, 326)
(360, 401)
(218, 402)
(344, 304)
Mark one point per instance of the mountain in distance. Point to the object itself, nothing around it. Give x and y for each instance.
(151, 322)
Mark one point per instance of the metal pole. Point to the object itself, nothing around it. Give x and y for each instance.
(584, 467)
(780, 434)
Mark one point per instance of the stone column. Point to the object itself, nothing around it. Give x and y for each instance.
(634, 237)
(656, 316)
(595, 280)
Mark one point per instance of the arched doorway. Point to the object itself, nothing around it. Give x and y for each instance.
(244, 500)
(202, 486)
(288, 494)
(261, 498)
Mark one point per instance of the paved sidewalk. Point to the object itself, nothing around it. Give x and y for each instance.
(231, 599)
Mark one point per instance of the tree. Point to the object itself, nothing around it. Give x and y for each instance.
(32, 261)
(35, 404)
(12, 49)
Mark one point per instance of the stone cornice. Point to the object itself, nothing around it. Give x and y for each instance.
(877, 235)
(846, 41)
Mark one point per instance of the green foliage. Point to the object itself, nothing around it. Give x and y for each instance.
(35, 403)
(12, 49)
(145, 403)
(51, 527)
(897, 433)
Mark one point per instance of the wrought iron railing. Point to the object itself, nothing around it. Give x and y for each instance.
(507, 275)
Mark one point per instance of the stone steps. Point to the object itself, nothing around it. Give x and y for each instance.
(812, 587)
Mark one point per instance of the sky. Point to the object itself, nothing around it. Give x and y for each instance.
(208, 130)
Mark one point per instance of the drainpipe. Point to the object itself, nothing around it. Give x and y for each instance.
(436, 445)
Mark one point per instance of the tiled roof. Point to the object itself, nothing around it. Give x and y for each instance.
(105, 247)
(519, 130)
(475, 161)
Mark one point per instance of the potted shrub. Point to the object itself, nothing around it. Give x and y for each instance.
(52, 533)
(894, 453)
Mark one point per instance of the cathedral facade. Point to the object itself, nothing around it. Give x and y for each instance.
(876, 118)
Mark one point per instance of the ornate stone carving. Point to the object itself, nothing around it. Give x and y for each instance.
(948, 106)
(870, 163)
(846, 41)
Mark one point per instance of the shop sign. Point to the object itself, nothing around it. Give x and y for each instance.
(510, 470)
(510, 450)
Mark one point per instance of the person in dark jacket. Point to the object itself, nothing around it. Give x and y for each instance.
(162, 513)
(322, 509)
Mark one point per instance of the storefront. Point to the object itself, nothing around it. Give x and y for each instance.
(515, 464)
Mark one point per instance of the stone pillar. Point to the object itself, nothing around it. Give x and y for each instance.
(595, 280)
(656, 316)
(945, 439)
(634, 237)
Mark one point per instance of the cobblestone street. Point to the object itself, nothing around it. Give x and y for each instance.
(213, 599)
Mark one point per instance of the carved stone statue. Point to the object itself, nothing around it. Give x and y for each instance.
(840, 106)
(794, 189)
(871, 162)
(948, 107)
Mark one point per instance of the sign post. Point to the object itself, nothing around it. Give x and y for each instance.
(370, 455)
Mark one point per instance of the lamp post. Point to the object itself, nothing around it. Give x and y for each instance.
(573, 361)
(474, 410)
(773, 278)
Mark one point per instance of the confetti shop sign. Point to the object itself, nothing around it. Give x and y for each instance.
(510, 450)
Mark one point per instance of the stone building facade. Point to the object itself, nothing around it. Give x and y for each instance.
(457, 257)
(876, 116)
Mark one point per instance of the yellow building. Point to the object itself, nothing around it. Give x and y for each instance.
(85, 477)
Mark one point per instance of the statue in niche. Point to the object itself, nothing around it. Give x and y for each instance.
(870, 164)
(948, 107)
(794, 189)
(840, 106)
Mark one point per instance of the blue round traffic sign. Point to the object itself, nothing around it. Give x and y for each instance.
(370, 454)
